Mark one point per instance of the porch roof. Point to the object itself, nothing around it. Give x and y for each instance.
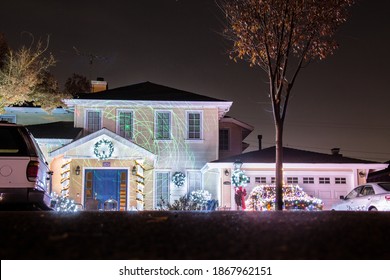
(137, 151)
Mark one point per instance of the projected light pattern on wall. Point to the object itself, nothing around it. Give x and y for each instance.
(168, 136)
(177, 151)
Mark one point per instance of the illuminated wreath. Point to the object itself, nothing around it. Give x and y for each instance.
(103, 149)
(239, 179)
(178, 178)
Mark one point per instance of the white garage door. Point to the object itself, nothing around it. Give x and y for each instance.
(327, 188)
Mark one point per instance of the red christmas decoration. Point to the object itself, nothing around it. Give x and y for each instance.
(239, 197)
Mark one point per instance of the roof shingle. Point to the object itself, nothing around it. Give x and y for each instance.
(291, 155)
(146, 91)
(55, 130)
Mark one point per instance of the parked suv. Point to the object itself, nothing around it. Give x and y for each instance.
(25, 178)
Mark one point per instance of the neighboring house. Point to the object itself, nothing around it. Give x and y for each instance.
(232, 133)
(132, 140)
(27, 115)
(33, 115)
(380, 175)
(325, 176)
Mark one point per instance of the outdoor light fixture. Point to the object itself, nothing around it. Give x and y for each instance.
(77, 170)
(237, 164)
(226, 172)
(134, 170)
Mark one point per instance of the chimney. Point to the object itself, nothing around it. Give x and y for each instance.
(336, 152)
(260, 137)
(98, 85)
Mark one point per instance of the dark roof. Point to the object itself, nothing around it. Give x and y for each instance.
(291, 155)
(55, 130)
(146, 91)
(379, 176)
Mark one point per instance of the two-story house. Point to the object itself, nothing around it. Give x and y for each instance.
(133, 140)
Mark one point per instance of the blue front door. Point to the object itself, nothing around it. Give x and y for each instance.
(102, 185)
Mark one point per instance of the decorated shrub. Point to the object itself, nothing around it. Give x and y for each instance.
(294, 198)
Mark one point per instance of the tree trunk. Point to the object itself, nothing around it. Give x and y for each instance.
(279, 165)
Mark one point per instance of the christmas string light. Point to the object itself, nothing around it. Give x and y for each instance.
(178, 178)
(200, 198)
(140, 196)
(65, 178)
(103, 149)
(62, 203)
(262, 198)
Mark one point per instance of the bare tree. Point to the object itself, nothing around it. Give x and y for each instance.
(25, 78)
(77, 84)
(281, 36)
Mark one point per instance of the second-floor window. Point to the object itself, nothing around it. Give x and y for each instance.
(93, 121)
(224, 139)
(125, 124)
(163, 125)
(194, 125)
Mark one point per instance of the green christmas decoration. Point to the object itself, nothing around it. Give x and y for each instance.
(239, 179)
(262, 198)
(103, 149)
(178, 178)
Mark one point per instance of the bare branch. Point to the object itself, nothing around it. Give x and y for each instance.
(25, 77)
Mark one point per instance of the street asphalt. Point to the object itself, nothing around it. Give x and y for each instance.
(217, 235)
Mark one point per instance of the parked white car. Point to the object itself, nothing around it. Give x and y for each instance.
(25, 177)
(367, 197)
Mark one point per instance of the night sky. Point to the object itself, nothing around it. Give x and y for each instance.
(340, 102)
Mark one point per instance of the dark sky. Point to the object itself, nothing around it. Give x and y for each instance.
(340, 102)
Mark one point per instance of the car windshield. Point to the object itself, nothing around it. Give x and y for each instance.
(12, 142)
(354, 193)
(385, 186)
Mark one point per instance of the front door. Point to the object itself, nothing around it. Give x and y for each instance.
(104, 184)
